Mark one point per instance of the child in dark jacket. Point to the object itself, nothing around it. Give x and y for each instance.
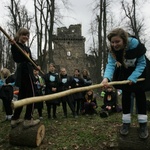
(39, 86)
(7, 83)
(65, 83)
(51, 80)
(90, 103)
(78, 97)
(110, 102)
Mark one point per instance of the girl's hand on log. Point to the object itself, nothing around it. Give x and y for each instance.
(38, 67)
(130, 83)
(12, 41)
(54, 89)
(105, 82)
(28, 55)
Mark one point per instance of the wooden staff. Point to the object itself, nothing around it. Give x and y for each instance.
(35, 99)
(4, 32)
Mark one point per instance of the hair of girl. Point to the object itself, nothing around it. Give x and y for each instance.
(5, 72)
(21, 31)
(123, 35)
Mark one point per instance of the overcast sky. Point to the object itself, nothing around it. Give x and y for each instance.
(81, 14)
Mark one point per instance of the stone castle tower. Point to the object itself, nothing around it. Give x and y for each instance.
(69, 48)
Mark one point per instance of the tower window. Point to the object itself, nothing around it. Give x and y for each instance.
(68, 53)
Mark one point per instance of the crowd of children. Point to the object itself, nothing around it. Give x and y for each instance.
(81, 103)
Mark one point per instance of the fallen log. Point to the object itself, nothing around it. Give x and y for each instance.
(31, 137)
(132, 141)
(26, 101)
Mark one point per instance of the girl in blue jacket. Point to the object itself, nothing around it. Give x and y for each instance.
(126, 61)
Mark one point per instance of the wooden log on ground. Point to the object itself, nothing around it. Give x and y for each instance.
(31, 137)
(132, 141)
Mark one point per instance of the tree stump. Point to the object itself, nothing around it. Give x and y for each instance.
(132, 141)
(31, 137)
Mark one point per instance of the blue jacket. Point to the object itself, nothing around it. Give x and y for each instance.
(3, 82)
(139, 68)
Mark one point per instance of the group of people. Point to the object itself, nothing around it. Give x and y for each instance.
(31, 84)
(50, 83)
(126, 61)
(58, 82)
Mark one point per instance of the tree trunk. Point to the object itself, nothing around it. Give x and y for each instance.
(31, 137)
(132, 141)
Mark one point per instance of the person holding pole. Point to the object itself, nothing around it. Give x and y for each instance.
(24, 77)
(126, 61)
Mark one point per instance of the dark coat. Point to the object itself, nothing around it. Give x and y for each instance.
(90, 104)
(6, 91)
(38, 92)
(110, 99)
(87, 81)
(23, 64)
(51, 81)
(64, 82)
(24, 72)
(122, 73)
(77, 82)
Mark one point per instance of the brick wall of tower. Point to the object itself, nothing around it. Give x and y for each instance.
(69, 48)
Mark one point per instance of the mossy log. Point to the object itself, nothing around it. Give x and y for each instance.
(31, 137)
(132, 141)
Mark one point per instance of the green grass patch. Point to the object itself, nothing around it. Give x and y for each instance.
(82, 133)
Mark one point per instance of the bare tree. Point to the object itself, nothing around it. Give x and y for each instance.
(5, 57)
(44, 11)
(135, 25)
(1, 50)
(45, 18)
(101, 50)
(19, 16)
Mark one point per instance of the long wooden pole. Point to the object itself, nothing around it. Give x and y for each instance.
(4, 32)
(26, 101)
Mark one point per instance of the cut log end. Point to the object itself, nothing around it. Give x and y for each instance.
(31, 137)
(40, 135)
